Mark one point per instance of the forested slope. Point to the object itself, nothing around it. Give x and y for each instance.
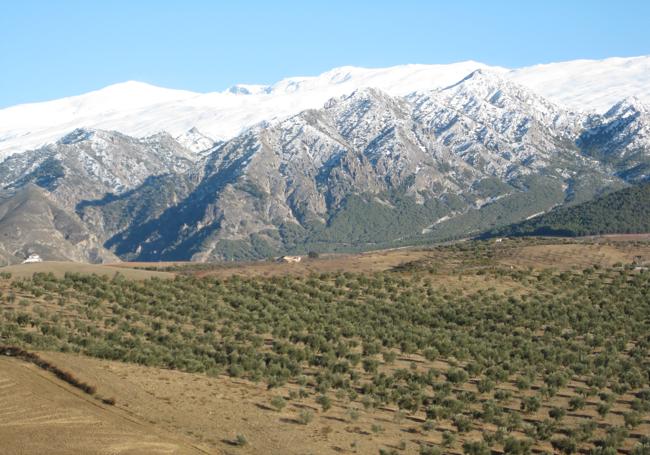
(624, 211)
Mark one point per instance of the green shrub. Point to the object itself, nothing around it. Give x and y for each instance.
(305, 416)
(476, 448)
(556, 413)
(325, 402)
(530, 404)
(565, 445)
(278, 403)
(632, 419)
(429, 450)
(517, 446)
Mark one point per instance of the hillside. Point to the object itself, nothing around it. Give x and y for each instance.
(625, 211)
(370, 170)
(40, 414)
(467, 348)
(32, 222)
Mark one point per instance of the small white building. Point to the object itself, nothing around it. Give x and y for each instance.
(32, 259)
(290, 259)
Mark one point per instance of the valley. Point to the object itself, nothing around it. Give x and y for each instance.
(325, 228)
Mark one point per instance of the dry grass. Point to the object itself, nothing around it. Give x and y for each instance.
(374, 261)
(40, 414)
(59, 269)
(212, 411)
(573, 255)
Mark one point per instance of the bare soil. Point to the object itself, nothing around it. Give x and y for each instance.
(59, 269)
(40, 414)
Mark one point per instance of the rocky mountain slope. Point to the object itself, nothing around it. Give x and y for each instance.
(31, 222)
(372, 170)
(367, 169)
(620, 139)
(88, 164)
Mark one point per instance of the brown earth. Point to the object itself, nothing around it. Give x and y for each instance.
(373, 261)
(59, 269)
(213, 411)
(577, 255)
(40, 414)
(556, 253)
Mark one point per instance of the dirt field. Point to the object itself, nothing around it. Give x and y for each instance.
(61, 268)
(560, 254)
(213, 411)
(575, 255)
(373, 261)
(166, 411)
(364, 263)
(40, 414)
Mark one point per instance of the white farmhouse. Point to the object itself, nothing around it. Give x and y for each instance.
(290, 259)
(32, 259)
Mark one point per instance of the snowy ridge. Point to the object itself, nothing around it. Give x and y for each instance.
(195, 141)
(589, 84)
(139, 109)
(488, 119)
(88, 163)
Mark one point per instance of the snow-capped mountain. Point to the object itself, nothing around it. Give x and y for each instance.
(589, 84)
(351, 159)
(195, 141)
(620, 138)
(138, 109)
(88, 164)
(497, 125)
(373, 169)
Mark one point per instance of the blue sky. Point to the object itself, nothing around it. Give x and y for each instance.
(50, 49)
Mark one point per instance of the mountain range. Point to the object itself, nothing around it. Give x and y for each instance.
(352, 159)
(139, 109)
